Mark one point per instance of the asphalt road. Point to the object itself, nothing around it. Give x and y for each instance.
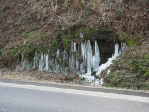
(32, 98)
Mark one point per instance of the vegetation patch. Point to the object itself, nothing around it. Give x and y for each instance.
(126, 79)
(130, 70)
(130, 40)
(55, 44)
(67, 41)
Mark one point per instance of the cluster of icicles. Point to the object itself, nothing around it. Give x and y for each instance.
(82, 59)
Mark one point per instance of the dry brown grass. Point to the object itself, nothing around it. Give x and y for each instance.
(34, 75)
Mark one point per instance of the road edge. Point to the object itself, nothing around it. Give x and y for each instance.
(80, 87)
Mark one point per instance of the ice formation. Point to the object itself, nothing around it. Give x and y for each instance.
(96, 58)
(109, 62)
(83, 59)
(81, 35)
(105, 65)
(79, 58)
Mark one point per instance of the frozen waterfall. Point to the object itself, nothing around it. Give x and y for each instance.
(109, 62)
(82, 58)
(105, 65)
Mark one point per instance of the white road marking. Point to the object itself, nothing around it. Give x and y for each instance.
(80, 92)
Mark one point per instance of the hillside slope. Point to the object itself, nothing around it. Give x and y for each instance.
(29, 26)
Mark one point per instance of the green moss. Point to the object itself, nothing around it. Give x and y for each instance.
(78, 32)
(67, 41)
(28, 51)
(130, 40)
(55, 43)
(87, 31)
(103, 29)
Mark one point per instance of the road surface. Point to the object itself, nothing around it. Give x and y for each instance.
(32, 98)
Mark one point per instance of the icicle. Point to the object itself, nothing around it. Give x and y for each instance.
(57, 66)
(84, 53)
(50, 65)
(116, 53)
(83, 50)
(22, 65)
(57, 53)
(74, 46)
(47, 63)
(81, 68)
(36, 60)
(77, 65)
(81, 35)
(89, 58)
(70, 61)
(94, 63)
(96, 58)
(78, 57)
(73, 52)
(71, 56)
(28, 65)
(41, 62)
(34, 65)
(123, 47)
